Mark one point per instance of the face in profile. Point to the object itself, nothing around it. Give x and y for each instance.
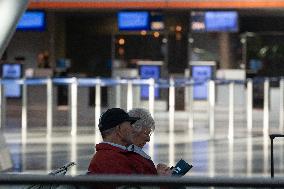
(127, 132)
(142, 137)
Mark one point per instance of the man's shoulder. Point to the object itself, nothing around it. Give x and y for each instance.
(102, 147)
(107, 151)
(112, 160)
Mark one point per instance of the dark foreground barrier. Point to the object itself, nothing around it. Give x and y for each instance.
(114, 180)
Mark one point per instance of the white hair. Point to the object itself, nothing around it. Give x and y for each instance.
(145, 121)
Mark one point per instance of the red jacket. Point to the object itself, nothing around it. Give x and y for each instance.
(113, 160)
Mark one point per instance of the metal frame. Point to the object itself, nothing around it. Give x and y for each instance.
(132, 180)
(272, 136)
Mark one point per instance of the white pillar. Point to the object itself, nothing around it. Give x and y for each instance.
(49, 105)
(97, 111)
(151, 96)
(171, 105)
(211, 98)
(129, 95)
(266, 108)
(231, 111)
(24, 111)
(118, 93)
(190, 106)
(151, 110)
(171, 121)
(249, 104)
(73, 95)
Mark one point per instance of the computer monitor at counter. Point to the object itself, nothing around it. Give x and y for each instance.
(146, 72)
(12, 71)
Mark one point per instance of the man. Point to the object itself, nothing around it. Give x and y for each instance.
(112, 156)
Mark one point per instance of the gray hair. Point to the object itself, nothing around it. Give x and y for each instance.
(107, 132)
(145, 121)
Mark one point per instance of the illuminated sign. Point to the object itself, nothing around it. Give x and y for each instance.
(133, 20)
(32, 20)
(214, 21)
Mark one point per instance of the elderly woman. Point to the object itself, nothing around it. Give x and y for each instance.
(144, 128)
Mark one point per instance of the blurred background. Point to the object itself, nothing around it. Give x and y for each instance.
(221, 128)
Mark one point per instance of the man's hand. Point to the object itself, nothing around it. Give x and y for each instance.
(163, 170)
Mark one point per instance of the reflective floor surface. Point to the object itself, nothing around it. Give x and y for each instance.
(245, 155)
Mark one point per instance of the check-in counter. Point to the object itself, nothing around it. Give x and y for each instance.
(222, 95)
(117, 95)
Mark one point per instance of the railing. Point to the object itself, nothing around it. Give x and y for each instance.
(115, 180)
(170, 84)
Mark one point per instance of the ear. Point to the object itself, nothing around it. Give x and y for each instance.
(119, 131)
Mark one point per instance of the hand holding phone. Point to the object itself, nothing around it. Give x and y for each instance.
(163, 170)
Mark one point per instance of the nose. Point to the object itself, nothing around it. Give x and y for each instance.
(147, 138)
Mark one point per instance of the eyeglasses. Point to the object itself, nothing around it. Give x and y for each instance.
(147, 132)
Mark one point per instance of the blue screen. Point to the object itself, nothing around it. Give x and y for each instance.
(146, 72)
(255, 64)
(221, 21)
(138, 20)
(12, 71)
(32, 20)
(201, 74)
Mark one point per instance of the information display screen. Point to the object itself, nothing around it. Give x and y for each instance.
(12, 71)
(146, 72)
(133, 20)
(221, 21)
(214, 21)
(201, 74)
(32, 20)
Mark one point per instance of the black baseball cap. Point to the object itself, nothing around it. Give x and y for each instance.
(113, 117)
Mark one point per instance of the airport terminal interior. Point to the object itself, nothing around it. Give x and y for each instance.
(210, 73)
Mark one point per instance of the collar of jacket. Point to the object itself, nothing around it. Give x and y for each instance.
(138, 150)
(111, 146)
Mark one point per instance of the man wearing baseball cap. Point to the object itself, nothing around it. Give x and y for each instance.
(112, 156)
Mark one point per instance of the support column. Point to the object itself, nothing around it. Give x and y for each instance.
(10, 13)
(226, 60)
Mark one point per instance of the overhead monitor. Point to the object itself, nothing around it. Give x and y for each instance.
(32, 20)
(133, 20)
(146, 72)
(12, 71)
(224, 21)
(214, 21)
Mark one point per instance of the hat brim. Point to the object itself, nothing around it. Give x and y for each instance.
(133, 119)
